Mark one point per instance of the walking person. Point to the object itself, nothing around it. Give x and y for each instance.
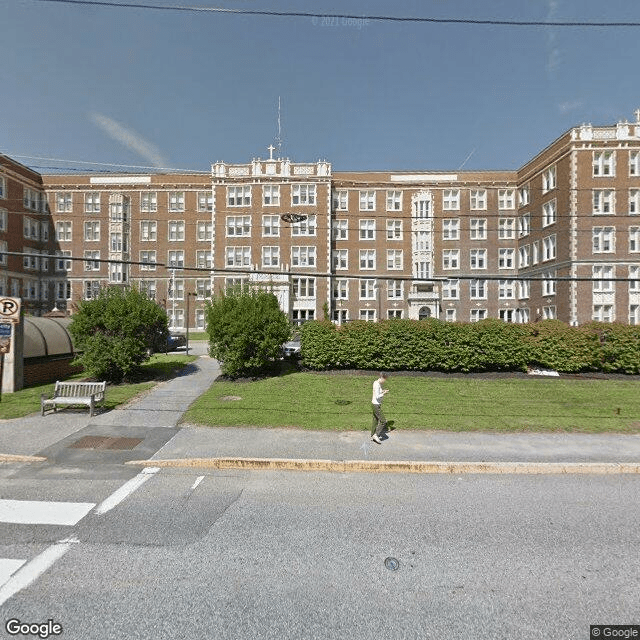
(379, 422)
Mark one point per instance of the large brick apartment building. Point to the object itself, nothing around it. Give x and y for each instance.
(558, 238)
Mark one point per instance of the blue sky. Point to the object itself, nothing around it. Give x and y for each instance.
(183, 90)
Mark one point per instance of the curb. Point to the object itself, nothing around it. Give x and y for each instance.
(8, 457)
(382, 466)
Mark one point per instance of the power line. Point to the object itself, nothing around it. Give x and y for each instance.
(346, 16)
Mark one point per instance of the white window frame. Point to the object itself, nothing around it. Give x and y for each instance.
(603, 275)
(451, 229)
(175, 231)
(176, 201)
(506, 228)
(271, 256)
(549, 179)
(634, 239)
(306, 227)
(205, 201)
(394, 230)
(92, 202)
(549, 213)
(175, 259)
(341, 259)
(303, 256)
(478, 199)
(367, 289)
(451, 289)
(238, 226)
(477, 289)
(148, 202)
(303, 195)
(450, 259)
(506, 199)
(549, 248)
(395, 259)
(238, 256)
(604, 203)
(148, 230)
(506, 258)
(394, 200)
(451, 200)
(271, 195)
(477, 259)
(239, 196)
(604, 164)
(367, 200)
(204, 230)
(367, 259)
(340, 199)
(603, 240)
(478, 229)
(367, 227)
(148, 258)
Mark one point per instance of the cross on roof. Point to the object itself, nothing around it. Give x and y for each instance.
(271, 150)
(636, 113)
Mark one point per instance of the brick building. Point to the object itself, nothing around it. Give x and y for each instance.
(557, 238)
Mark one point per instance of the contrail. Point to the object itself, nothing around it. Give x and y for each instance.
(129, 139)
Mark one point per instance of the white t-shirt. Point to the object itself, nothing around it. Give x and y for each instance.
(377, 393)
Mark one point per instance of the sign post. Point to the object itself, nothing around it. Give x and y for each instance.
(9, 322)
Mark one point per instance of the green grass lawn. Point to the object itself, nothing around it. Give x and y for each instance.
(343, 402)
(159, 367)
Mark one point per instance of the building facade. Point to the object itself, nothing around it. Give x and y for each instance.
(558, 238)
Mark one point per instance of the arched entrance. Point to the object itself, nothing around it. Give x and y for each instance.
(424, 313)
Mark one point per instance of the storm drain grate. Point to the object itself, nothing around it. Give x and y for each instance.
(105, 442)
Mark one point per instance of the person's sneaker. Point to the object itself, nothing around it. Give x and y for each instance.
(376, 439)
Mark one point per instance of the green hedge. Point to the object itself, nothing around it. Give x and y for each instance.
(489, 345)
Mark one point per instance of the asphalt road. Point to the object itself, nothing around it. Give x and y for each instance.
(248, 554)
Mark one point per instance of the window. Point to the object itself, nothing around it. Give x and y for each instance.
(203, 288)
(478, 228)
(148, 230)
(634, 239)
(176, 318)
(3, 220)
(339, 200)
(604, 163)
(176, 230)
(62, 264)
(64, 231)
(451, 200)
(394, 229)
(421, 241)
(270, 256)
(200, 319)
(451, 229)
(31, 199)
(149, 259)
(303, 256)
(549, 179)
(367, 229)
(548, 213)
(367, 258)
(176, 201)
(44, 228)
(367, 200)
(176, 292)
(634, 163)
(238, 226)
(205, 201)
(305, 227)
(63, 290)
(451, 289)
(450, 315)
(394, 259)
(634, 201)
(477, 289)
(535, 252)
(64, 202)
(603, 201)
(92, 231)
(3, 188)
(91, 289)
(91, 258)
(368, 315)
(634, 314)
(304, 288)
(119, 210)
(450, 259)
(340, 259)
(341, 289)
(203, 259)
(507, 228)
(602, 274)
(204, 230)
(475, 315)
(303, 194)
(524, 289)
(524, 256)
(506, 258)
(340, 230)
(478, 258)
(92, 202)
(506, 289)
(506, 199)
(300, 316)
(394, 200)
(524, 196)
(394, 313)
(422, 208)
(478, 199)
(149, 202)
(395, 290)
(508, 315)
(117, 242)
(549, 248)
(634, 278)
(30, 261)
(270, 226)
(524, 225)
(548, 283)
(175, 259)
(603, 313)
(271, 195)
(604, 239)
(239, 196)
(238, 256)
(422, 270)
(367, 289)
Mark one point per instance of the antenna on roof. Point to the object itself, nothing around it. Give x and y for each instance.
(279, 136)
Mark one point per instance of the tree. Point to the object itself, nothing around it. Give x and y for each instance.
(115, 332)
(246, 330)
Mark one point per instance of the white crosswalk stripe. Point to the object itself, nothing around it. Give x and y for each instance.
(38, 512)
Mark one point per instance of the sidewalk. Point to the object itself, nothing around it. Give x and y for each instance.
(203, 446)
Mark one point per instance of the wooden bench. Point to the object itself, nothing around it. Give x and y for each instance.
(72, 393)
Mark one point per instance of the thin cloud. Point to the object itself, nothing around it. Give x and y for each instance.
(565, 107)
(130, 139)
(553, 50)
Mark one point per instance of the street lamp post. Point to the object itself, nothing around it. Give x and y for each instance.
(189, 294)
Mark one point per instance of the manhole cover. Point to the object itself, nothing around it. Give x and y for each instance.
(392, 564)
(228, 398)
(105, 442)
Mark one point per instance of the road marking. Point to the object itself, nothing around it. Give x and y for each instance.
(197, 482)
(125, 490)
(34, 569)
(36, 512)
(8, 566)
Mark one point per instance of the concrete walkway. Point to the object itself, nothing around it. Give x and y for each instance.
(243, 447)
